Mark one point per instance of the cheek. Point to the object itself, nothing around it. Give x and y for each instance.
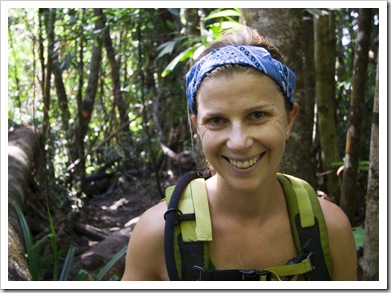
(271, 137)
(208, 140)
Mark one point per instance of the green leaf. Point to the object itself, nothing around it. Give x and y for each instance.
(40, 242)
(67, 264)
(82, 275)
(359, 236)
(166, 48)
(182, 56)
(53, 242)
(28, 239)
(224, 13)
(111, 263)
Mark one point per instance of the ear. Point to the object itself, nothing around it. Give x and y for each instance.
(193, 119)
(291, 119)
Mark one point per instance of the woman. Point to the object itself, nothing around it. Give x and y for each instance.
(240, 96)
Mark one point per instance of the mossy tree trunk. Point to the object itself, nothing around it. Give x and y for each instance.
(325, 94)
(370, 260)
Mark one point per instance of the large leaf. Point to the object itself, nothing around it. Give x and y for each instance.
(111, 263)
(181, 57)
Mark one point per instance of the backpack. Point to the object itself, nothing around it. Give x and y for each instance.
(188, 230)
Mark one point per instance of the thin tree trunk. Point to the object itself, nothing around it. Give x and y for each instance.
(23, 147)
(289, 31)
(50, 20)
(325, 94)
(115, 75)
(93, 78)
(87, 105)
(77, 148)
(41, 49)
(370, 260)
(357, 101)
(192, 22)
(61, 95)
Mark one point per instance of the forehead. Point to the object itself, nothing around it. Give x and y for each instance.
(237, 89)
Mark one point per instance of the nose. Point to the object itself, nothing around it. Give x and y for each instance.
(239, 138)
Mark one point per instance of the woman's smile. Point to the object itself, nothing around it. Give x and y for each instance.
(244, 163)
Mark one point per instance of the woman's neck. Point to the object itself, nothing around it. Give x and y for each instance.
(246, 205)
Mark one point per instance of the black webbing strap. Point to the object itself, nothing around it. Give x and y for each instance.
(319, 272)
(192, 254)
(171, 216)
(231, 275)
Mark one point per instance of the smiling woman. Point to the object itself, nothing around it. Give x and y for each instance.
(241, 98)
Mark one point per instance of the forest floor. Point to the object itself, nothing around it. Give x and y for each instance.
(100, 228)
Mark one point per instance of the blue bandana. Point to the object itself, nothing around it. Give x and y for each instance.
(256, 57)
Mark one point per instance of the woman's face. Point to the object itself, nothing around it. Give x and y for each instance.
(243, 126)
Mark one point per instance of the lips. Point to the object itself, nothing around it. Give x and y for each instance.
(244, 164)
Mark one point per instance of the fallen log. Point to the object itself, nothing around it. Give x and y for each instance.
(23, 147)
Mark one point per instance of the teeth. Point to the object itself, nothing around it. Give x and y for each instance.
(244, 164)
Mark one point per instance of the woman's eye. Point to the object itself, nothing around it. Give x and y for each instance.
(216, 120)
(258, 115)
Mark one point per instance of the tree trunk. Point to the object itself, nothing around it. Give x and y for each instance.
(370, 260)
(115, 75)
(357, 101)
(289, 30)
(50, 17)
(325, 94)
(192, 22)
(87, 105)
(23, 147)
(61, 95)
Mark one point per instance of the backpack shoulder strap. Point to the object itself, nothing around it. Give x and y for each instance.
(188, 227)
(308, 224)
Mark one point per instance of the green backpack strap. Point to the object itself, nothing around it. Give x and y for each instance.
(308, 224)
(193, 228)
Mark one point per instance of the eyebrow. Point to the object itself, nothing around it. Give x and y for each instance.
(246, 111)
(258, 107)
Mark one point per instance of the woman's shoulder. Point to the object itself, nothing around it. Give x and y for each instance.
(341, 241)
(334, 216)
(152, 220)
(145, 256)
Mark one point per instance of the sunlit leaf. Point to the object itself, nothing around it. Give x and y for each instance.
(183, 55)
(224, 13)
(359, 236)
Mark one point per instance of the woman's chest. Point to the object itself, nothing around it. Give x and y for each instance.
(251, 248)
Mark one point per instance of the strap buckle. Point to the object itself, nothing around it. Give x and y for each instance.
(255, 275)
(200, 270)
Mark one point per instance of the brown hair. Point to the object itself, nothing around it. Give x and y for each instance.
(246, 36)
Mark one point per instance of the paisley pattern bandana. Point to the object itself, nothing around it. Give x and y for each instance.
(256, 57)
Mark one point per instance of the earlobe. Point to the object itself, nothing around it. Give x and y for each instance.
(193, 119)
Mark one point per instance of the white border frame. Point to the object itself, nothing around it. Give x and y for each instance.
(106, 285)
